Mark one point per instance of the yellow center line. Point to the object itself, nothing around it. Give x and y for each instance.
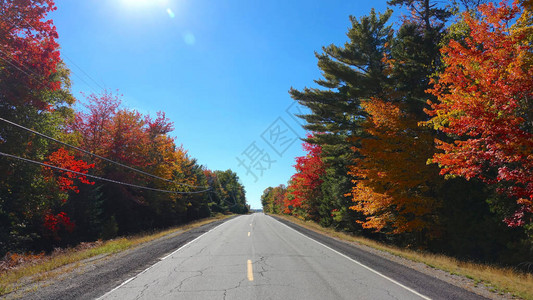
(248, 233)
(250, 271)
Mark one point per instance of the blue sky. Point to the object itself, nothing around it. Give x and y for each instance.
(221, 70)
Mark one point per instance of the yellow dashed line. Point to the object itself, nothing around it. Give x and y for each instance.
(250, 271)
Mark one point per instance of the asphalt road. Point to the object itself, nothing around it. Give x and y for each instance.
(98, 275)
(258, 257)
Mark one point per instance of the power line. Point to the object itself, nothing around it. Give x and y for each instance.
(81, 78)
(97, 177)
(72, 71)
(65, 144)
(27, 68)
(86, 74)
(222, 192)
(33, 73)
(6, 60)
(74, 147)
(96, 155)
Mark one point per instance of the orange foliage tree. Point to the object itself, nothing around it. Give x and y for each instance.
(273, 199)
(485, 105)
(392, 181)
(135, 140)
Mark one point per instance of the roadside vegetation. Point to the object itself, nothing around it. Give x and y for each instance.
(18, 270)
(78, 170)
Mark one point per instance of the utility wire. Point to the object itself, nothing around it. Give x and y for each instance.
(84, 81)
(89, 76)
(222, 192)
(65, 144)
(74, 147)
(35, 75)
(6, 60)
(38, 76)
(64, 55)
(24, 66)
(25, 69)
(97, 177)
(96, 155)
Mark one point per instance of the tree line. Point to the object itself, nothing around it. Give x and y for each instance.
(127, 174)
(421, 134)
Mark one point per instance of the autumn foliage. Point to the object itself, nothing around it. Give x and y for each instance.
(422, 136)
(484, 105)
(305, 183)
(29, 55)
(140, 142)
(145, 179)
(390, 176)
(426, 132)
(274, 199)
(65, 181)
(54, 222)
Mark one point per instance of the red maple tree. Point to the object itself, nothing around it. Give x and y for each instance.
(29, 53)
(305, 183)
(62, 159)
(54, 222)
(484, 103)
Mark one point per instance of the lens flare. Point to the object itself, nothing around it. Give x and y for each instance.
(170, 13)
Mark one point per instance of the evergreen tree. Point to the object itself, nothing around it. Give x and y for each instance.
(351, 73)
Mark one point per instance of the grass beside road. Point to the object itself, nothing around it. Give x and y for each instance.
(43, 267)
(498, 279)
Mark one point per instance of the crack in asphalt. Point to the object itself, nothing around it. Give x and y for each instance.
(391, 295)
(233, 288)
(199, 274)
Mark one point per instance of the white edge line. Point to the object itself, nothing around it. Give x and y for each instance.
(355, 261)
(191, 241)
(183, 246)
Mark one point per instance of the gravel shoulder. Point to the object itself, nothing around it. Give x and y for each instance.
(94, 277)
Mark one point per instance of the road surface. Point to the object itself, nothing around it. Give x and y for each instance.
(258, 257)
